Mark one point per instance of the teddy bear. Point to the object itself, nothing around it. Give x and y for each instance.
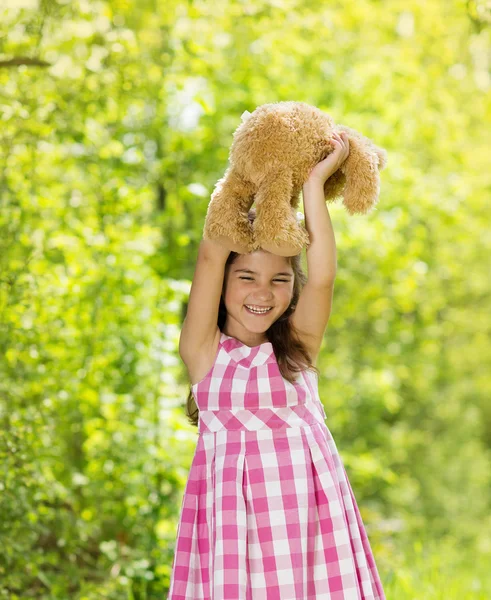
(273, 152)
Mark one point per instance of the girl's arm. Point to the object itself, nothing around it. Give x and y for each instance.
(200, 329)
(321, 253)
(314, 305)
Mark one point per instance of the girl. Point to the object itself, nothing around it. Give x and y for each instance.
(268, 511)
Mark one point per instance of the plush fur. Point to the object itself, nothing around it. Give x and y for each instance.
(273, 152)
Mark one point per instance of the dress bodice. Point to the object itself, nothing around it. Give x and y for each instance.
(244, 388)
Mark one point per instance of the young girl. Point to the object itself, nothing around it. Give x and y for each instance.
(268, 511)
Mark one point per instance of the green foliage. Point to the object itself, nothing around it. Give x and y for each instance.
(117, 119)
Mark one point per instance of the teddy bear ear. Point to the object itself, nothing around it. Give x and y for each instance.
(245, 115)
(382, 157)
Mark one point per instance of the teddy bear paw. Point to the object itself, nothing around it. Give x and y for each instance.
(287, 241)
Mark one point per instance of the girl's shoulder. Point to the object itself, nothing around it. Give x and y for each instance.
(201, 361)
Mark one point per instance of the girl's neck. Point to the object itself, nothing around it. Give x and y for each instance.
(250, 339)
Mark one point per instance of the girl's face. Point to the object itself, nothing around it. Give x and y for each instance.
(259, 280)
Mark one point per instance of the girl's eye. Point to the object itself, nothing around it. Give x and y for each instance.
(280, 280)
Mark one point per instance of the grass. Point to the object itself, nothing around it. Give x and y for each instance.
(438, 570)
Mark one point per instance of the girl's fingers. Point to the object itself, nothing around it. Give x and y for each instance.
(339, 138)
(342, 138)
(341, 141)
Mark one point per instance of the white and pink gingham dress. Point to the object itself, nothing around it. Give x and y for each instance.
(268, 512)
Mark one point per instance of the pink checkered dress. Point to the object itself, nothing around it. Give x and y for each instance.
(268, 512)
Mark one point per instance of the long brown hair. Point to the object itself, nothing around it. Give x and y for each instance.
(290, 352)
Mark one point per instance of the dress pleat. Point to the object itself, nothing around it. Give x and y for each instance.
(268, 512)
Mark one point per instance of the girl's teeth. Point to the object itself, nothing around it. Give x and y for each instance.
(258, 312)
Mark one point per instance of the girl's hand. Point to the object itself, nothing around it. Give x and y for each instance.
(323, 170)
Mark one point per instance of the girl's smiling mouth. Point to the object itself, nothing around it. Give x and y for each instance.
(257, 312)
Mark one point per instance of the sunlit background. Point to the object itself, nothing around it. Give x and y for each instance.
(116, 119)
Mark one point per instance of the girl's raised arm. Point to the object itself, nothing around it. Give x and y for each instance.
(315, 302)
(199, 330)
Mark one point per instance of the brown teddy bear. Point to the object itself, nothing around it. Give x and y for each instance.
(272, 154)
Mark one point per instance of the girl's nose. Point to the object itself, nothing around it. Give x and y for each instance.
(265, 297)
